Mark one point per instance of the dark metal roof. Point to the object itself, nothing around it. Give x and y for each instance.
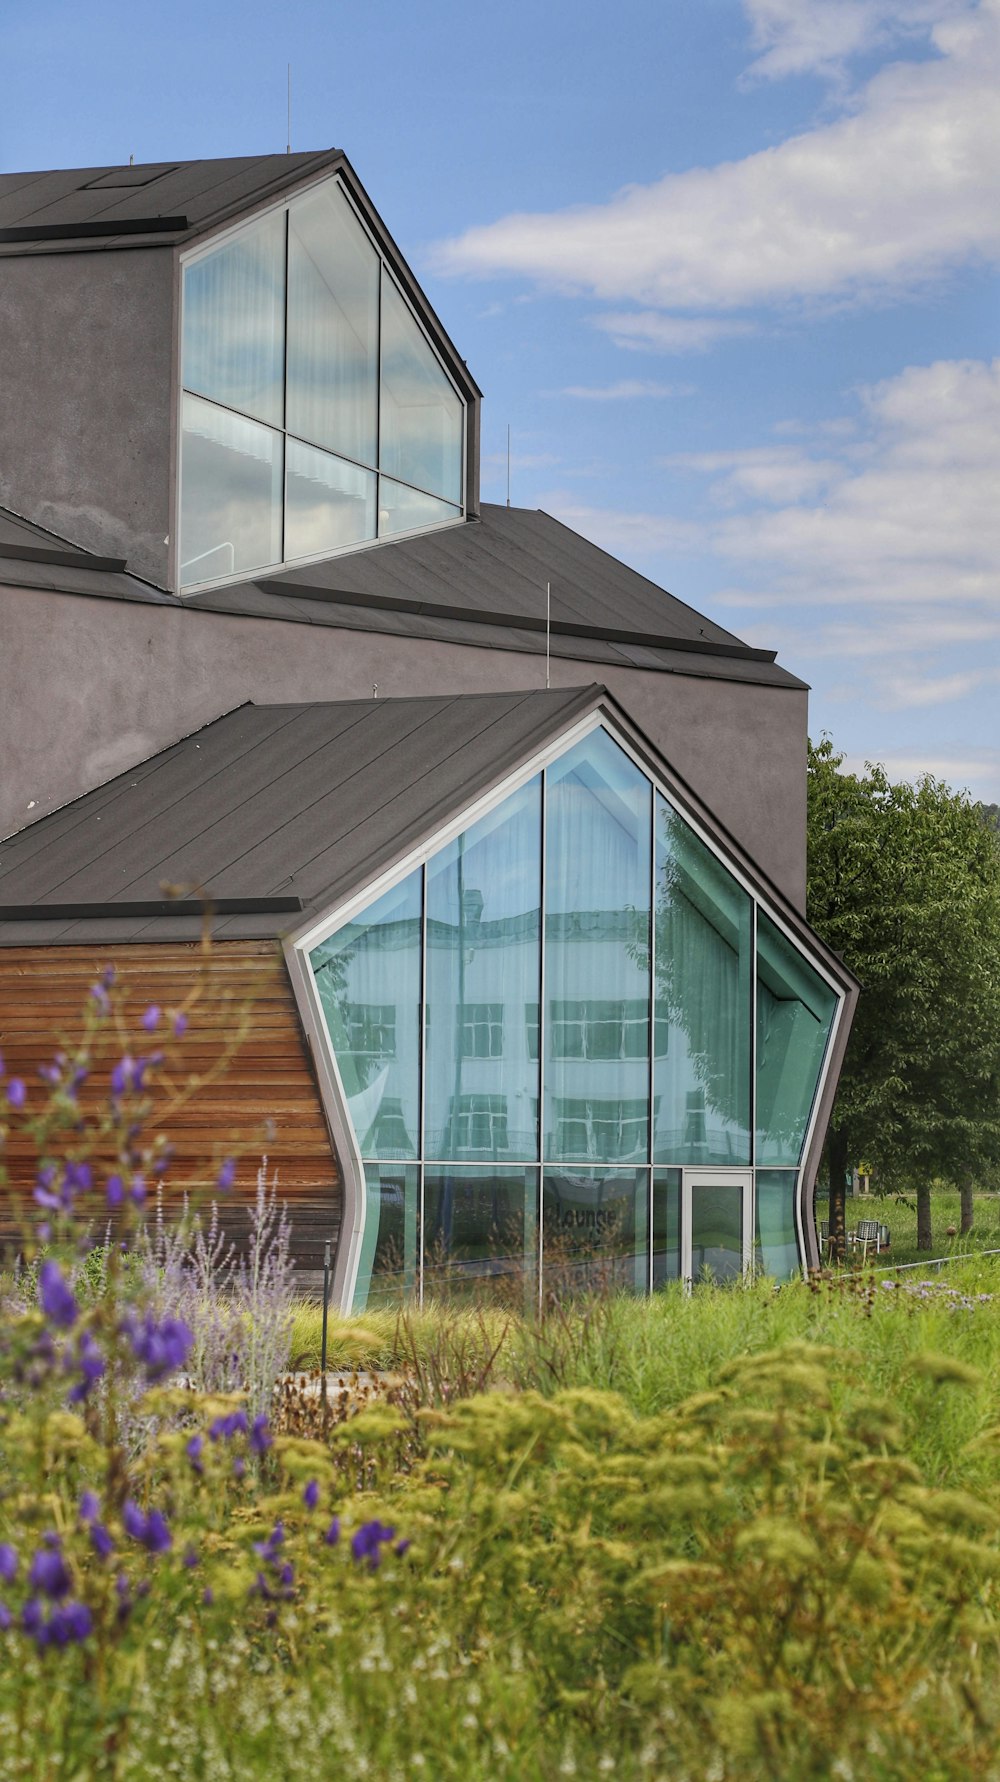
(292, 808)
(497, 567)
(32, 558)
(303, 801)
(155, 204)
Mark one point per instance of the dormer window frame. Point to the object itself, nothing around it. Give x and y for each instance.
(391, 269)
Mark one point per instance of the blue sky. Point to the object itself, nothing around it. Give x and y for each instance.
(727, 267)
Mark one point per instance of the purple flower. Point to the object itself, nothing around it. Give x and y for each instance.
(90, 1506)
(402, 1547)
(55, 1296)
(161, 1348)
(365, 1543)
(190, 1559)
(227, 1174)
(121, 1076)
(8, 1562)
(100, 996)
(2, 1072)
(180, 1024)
(115, 1191)
(90, 1362)
(260, 1436)
(193, 1451)
(332, 1535)
(234, 1423)
(137, 1192)
(52, 1073)
(73, 1621)
(151, 1531)
(151, 1019)
(68, 1624)
(207, 1597)
(268, 1550)
(6, 1618)
(49, 1573)
(310, 1496)
(101, 1541)
(17, 1093)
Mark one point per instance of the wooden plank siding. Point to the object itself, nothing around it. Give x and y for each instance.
(265, 1100)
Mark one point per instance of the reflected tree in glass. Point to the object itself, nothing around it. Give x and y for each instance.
(795, 1010)
(703, 1001)
(368, 977)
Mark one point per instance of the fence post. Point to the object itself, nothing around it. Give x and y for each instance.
(326, 1306)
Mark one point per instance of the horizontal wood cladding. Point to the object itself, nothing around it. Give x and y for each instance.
(241, 1083)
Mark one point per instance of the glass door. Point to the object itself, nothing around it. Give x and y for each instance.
(716, 1225)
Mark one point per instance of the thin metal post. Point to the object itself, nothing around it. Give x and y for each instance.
(326, 1309)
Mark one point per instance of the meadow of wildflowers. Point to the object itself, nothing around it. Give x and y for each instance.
(736, 1535)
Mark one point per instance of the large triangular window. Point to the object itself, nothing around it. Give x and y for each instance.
(316, 414)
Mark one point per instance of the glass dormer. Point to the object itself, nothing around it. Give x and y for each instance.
(316, 414)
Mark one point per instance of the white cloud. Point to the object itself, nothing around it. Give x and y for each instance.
(623, 533)
(820, 36)
(903, 186)
(646, 331)
(763, 473)
(624, 391)
(978, 770)
(910, 514)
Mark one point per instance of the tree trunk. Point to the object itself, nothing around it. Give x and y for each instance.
(967, 1213)
(925, 1238)
(837, 1148)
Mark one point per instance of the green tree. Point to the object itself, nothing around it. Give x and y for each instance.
(904, 883)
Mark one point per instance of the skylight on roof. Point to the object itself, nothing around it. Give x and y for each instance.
(316, 415)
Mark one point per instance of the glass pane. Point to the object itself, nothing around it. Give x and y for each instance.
(480, 1234)
(777, 1238)
(234, 318)
(330, 504)
(333, 273)
(717, 1232)
(795, 1011)
(594, 1230)
(387, 1272)
(368, 977)
(666, 1226)
(597, 956)
(404, 510)
(703, 1002)
(483, 902)
(230, 494)
(420, 436)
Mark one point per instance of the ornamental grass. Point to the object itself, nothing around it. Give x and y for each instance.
(741, 1533)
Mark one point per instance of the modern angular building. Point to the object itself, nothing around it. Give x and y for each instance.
(529, 830)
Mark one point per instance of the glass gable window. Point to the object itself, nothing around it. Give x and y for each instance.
(546, 1042)
(795, 1010)
(316, 413)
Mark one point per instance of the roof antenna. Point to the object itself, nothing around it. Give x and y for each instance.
(508, 463)
(288, 145)
(548, 623)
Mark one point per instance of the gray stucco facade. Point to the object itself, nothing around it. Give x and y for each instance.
(90, 686)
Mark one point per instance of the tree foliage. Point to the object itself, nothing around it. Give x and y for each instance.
(904, 883)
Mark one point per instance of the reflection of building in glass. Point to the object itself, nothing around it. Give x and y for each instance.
(532, 958)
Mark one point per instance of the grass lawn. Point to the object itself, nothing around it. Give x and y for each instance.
(900, 1214)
